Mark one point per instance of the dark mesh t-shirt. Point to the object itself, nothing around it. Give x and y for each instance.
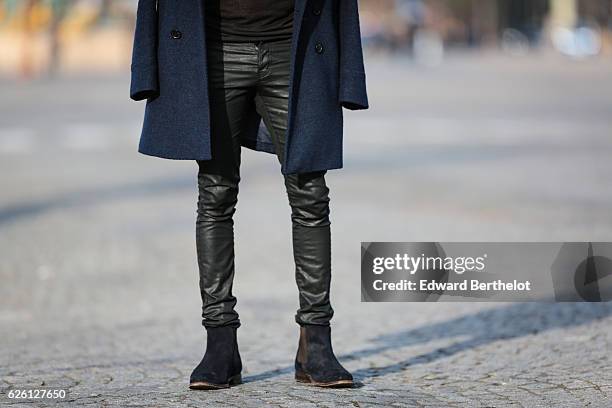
(249, 20)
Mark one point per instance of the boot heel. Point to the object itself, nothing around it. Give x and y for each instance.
(235, 380)
(302, 377)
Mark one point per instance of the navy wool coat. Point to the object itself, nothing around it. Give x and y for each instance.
(169, 70)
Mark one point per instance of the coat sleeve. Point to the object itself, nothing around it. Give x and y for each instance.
(352, 93)
(144, 81)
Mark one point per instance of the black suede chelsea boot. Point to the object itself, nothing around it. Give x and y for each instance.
(315, 362)
(221, 366)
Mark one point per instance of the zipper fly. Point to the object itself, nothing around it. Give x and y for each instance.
(263, 58)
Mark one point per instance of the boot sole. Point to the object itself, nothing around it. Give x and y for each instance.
(203, 385)
(307, 379)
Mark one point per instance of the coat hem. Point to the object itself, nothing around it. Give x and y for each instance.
(312, 170)
(258, 146)
(255, 145)
(250, 144)
(171, 156)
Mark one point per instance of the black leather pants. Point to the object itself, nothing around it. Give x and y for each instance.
(246, 78)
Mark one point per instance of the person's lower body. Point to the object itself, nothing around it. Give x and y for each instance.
(248, 78)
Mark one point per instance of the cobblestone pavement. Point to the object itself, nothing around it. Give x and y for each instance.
(97, 256)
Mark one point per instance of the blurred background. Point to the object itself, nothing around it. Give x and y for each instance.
(490, 120)
(47, 36)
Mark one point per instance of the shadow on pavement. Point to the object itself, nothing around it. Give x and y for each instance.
(13, 213)
(507, 322)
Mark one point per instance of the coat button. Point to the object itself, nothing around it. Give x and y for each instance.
(316, 12)
(319, 48)
(176, 34)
